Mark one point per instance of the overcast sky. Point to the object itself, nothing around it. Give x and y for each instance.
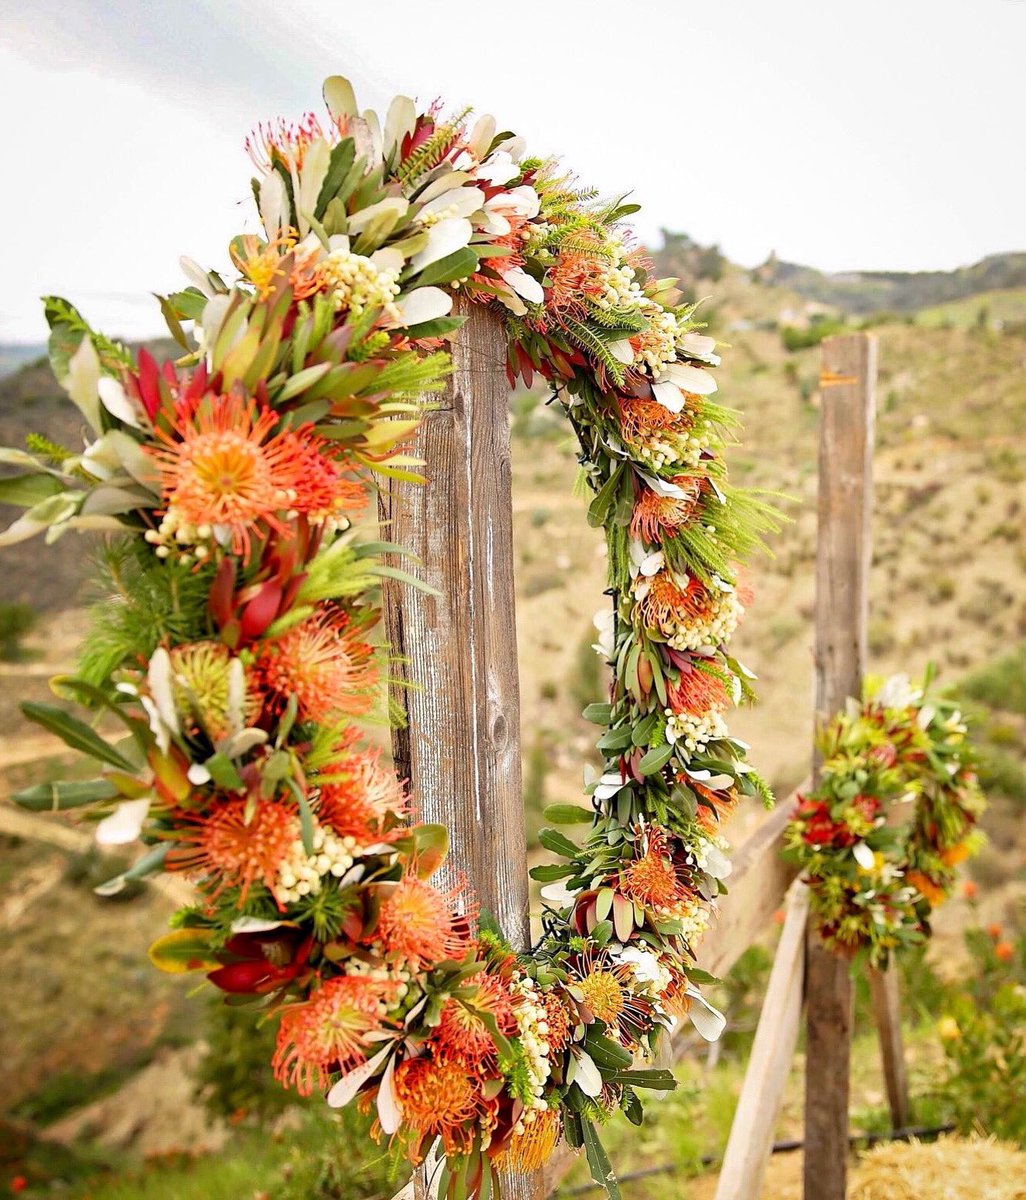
(841, 133)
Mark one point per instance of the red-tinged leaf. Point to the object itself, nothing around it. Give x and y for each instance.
(222, 591)
(623, 917)
(261, 611)
(149, 382)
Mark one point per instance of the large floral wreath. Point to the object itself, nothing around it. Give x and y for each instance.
(235, 648)
(892, 816)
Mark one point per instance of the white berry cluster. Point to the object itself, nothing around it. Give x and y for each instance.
(301, 873)
(176, 536)
(694, 731)
(713, 629)
(666, 448)
(620, 289)
(358, 284)
(658, 344)
(533, 1025)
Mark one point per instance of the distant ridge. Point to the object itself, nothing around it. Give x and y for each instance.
(863, 292)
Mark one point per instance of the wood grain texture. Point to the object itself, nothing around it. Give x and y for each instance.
(457, 650)
(847, 390)
(751, 1133)
(885, 988)
(758, 883)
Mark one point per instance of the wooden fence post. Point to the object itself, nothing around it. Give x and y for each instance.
(458, 650)
(885, 989)
(847, 391)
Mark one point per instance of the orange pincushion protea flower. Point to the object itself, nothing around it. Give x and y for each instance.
(716, 806)
(559, 1021)
(419, 924)
(655, 514)
(697, 692)
(652, 879)
(576, 274)
(438, 1098)
(324, 665)
(640, 419)
(328, 1032)
(461, 1036)
(532, 1148)
(362, 799)
(222, 465)
(319, 488)
(666, 605)
(237, 846)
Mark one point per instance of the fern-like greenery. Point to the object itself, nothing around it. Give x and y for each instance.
(139, 605)
(430, 154)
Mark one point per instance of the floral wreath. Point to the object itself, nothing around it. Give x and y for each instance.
(234, 648)
(875, 873)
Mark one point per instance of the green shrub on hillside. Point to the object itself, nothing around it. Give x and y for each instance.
(796, 338)
(1001, 684)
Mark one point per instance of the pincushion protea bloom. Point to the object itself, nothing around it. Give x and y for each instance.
(328, 1032)
(687, 612)
(222, 465)
(653, 879)
(696, 691)
(204, 683)
(461, 1036)
(320, 489)
(656, 514)
(236, 843)
(321, 662)
(439, 1099)
(531, 1146)
(362, 799)
(604, 990)
(420, 925)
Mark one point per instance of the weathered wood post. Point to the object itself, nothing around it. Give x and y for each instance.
(457, 651)
(847, 391)
(885, 988)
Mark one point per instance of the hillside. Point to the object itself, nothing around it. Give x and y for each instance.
(861, 292)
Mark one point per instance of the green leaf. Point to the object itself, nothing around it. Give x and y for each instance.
(616, 739)
(655, 759)
(224, 772)
(27, 490)
(56, 797)
(184, 950)
(550, 873)
(342, 158)
(568, 814)
(644, 729)
(599, 508)
(558, 843)
(302, 380)
(87, 693)
(76, 734)
(598, 1161)
(306, 821)
(458, 265)
(598, 714)
(606, 1053)
(660, 1081)
(439, 327)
